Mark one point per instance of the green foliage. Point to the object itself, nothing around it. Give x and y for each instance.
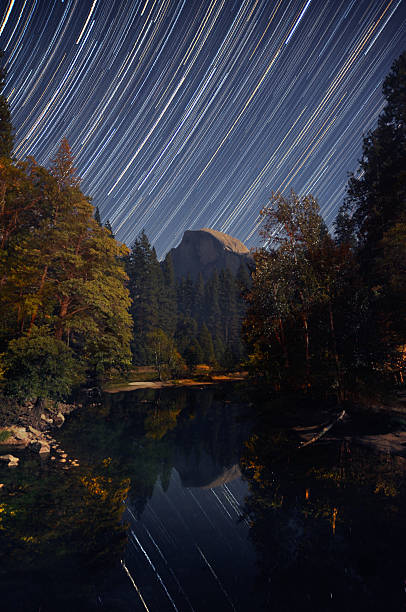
(206, 344)
(372, 221)
(60, 273)
(167, 298)
(203, 319)
(331, 313)
(4, 435)
(162, 353)
(193, 353)
(145, 280)
(40, 366)
(291, 322)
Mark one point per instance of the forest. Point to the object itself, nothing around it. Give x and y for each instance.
(322, 311)
(327, 311)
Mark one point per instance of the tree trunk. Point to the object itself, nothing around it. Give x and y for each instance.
(336, 357)
(307, 347)
(283, 343)
(62, 314)
(41, 287)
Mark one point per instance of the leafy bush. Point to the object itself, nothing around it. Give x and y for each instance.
(40, 366)
(4, 435)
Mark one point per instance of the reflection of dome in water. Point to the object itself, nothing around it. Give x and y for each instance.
(200, 470)
(228, 475)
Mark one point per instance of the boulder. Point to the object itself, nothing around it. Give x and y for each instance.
(34, 431)
(44, 450)
(18, 437)
(59, 419)
(12, 461)
(46, 419)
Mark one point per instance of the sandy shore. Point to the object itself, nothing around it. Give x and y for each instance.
(160, 384)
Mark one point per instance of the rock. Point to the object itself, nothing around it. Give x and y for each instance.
(203, 251)
(44, 450)
(64, 455)
(20, 433)
(53, 458)
(35, 445)
(46, 419)
(12, 461)
(59, 419)
(65, 408)
(63, 460)
(34, 431)
(19, 436)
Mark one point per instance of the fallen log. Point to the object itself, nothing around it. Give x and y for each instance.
(323, 431)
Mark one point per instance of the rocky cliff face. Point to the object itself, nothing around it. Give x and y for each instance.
(203, 251)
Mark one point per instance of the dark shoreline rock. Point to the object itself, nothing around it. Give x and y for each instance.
(28, 425)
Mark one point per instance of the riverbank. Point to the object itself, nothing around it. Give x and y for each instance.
(29, 426)
(381, 427)
(183, 382)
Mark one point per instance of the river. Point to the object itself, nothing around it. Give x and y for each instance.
(199, 499)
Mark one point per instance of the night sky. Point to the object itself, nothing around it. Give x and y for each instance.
(185, 114)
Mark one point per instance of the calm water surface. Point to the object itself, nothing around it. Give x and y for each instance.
(196, 499)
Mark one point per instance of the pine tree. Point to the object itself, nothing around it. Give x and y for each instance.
(63, 281)
(108, 227)
(186, 332)
(206, 343)
(199, 312)
(377, 195)
(97, 217)
(228, 307)
(63, 169)
(6, 130)
(167, 298)
(145, 283)
(371, 221)
(214, 316)
(193, 353)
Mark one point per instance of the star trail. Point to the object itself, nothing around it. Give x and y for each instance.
(185, 114)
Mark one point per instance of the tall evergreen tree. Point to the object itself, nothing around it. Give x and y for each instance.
(199, 300)
(62, 279)
(145, 282)
(206, 344)
(214, 315)
(97, 217)
(167, 298)
(108, 227)
(376, 195)
(63, 168)
(372, 222)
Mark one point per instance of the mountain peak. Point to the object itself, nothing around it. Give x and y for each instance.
(205, 250)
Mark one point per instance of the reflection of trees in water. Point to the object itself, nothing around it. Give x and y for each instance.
(209, 438)
(198, 432)
(327, 522)
(62, 526)
(58, 530)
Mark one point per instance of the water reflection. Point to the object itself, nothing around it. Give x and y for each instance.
(328, 525)
(159, 517)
